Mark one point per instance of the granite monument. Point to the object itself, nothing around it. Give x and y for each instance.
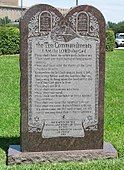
(62, 65)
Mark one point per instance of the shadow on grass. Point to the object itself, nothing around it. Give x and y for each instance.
(5, 142)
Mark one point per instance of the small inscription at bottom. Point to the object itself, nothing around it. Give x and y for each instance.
(63, 128)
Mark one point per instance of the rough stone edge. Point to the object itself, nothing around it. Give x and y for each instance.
(15, 156)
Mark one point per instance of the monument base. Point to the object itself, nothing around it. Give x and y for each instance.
(15, 156)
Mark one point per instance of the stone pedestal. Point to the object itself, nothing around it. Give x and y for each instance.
(15, 156)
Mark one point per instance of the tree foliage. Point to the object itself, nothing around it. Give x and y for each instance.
(9, 40)
(116, 27)
(110, 40)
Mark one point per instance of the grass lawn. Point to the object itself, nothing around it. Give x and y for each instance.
(114, 114)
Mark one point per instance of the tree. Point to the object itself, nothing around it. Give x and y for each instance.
(4, 21)
(119, 27)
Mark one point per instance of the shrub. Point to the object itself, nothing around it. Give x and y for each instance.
(13, 25)
(9, 40)
(110, 40)
(4, 21)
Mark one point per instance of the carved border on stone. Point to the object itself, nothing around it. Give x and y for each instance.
(37, 127)
(46, 32)
(34, 28)
(94, 26)
(92, 21)
(77, 22)
(34, 24)
(94, 124)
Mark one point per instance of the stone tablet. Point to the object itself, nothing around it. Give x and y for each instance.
(62, 79)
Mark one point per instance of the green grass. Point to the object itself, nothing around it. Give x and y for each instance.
(114, 100)
(114, 114)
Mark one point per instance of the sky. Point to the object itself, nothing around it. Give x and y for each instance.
(113, 10)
